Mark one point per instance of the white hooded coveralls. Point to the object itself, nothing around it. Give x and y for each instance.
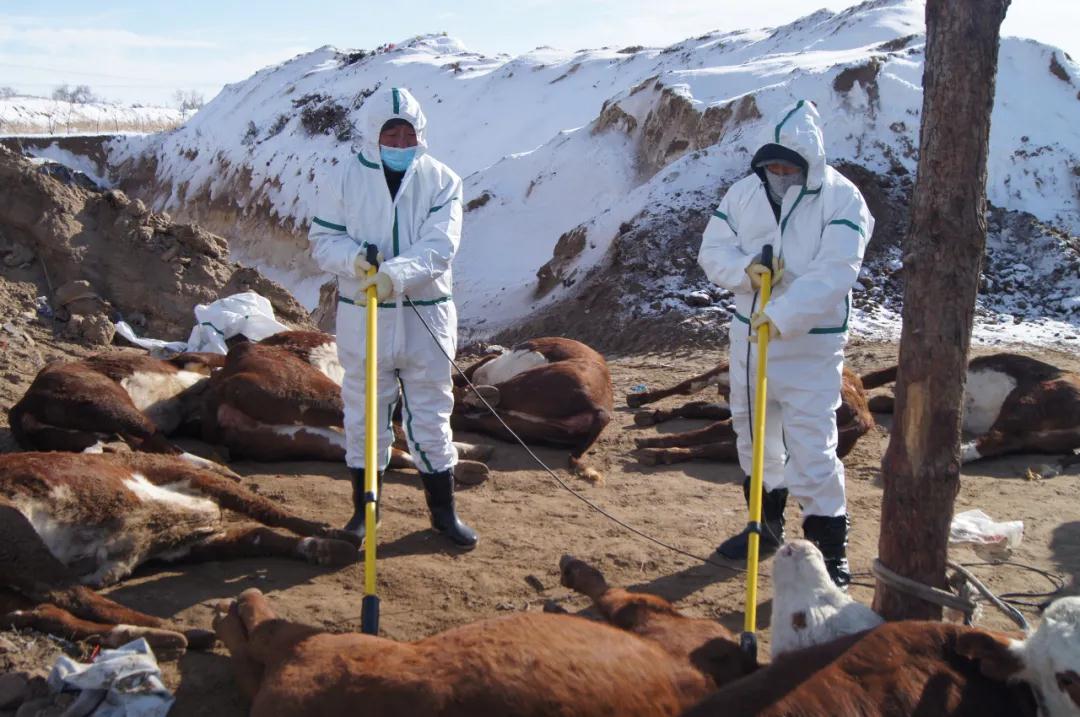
(821, 234)
(417, 232)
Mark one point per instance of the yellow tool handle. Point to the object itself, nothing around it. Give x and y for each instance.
(757, 471)
(371, 412)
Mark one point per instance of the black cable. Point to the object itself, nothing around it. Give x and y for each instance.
(552, 473)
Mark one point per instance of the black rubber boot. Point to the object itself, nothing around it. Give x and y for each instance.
(357, 525)
(439, 491)
(830, 535)
(772, 526)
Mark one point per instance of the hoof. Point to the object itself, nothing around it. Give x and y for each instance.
(645, 418)
(471, 472)
(328, 552)
(647, 456)
(488, 393)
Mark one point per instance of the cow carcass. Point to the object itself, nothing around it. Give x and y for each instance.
(551, 391)
(716, 441)
(1012, 404)
(73, 522)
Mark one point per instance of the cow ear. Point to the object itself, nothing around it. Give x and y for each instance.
(995, 654)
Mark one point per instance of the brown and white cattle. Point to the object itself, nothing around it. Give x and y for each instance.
(717, 440)
(527, 664)
(280, 400)
(919, 668)
(808, 609)
(71, 522)
(1012, 404)
(131, 397)
(552, 391)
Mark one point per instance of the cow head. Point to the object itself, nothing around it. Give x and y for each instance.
(1048, 660)
(799, 567)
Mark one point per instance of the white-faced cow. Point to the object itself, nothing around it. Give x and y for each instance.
(72, 522)
(1012, 404)
(919, 668)
(553, 391)
(717, 440)
(528, 664)
(280, 400)
(130, 397)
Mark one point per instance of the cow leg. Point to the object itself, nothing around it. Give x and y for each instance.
(235, 497)
(630, 611)
(724, 451)
(260, 542)
(688, 387)
(997, 443)
(715, 433)
(53, 620)
(709, 410)
(249, 438)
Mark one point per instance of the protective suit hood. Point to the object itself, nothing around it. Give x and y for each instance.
(383, 106)
(798, 130)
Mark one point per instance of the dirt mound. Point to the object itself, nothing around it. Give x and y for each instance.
(102, 256)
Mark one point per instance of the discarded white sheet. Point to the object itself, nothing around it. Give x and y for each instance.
(125, 682)
(248, 313)
(984, 533)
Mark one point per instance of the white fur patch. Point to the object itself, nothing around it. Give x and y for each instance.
(98, 447)
(984, 395)
(335, 438)
(505, 367)
(175, 494)
(325, 359)
(808, 609)
(968, 452)
(1054, 649)
(154, 394)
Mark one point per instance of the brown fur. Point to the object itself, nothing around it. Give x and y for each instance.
(565, 402)
(1040, 415)
(72, 405)
(89, 503)
(529, 664)
(717, 440)
(899, 669)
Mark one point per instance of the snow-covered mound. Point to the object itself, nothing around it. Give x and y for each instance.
(570, 156)
(37, 115)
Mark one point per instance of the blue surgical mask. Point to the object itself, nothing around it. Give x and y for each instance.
(396, 158)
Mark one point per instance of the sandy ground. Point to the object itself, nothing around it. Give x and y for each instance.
(527, 521)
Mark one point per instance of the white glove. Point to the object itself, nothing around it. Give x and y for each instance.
(756, 269)
(361, 266)
(384, 286)
(760, 319)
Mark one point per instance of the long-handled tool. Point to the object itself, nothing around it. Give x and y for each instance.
(369, 613)
(748, 640)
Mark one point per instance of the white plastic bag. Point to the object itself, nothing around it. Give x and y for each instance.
(979, 529)
(125, 682)
(248, 313)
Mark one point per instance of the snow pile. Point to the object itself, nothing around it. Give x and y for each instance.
(37, 115)
(589, 174)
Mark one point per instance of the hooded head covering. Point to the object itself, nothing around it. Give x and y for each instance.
(795, 138)
(383, 106)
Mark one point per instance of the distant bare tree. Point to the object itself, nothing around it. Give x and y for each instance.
(7, 93)
(80, 94)
(188, 100)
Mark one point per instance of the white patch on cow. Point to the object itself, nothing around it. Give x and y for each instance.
(98, 447)
(505, 367)
(199, 461)
(335, 438)
(154, 393)
(177, 494)
(984, 395)
(968, 452)
(325, 359)
(1053, 650)
(801, 584)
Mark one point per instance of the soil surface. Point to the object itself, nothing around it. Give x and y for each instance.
(527, 521)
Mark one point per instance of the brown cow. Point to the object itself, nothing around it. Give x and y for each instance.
(919, 668)
(528, 664)
(717, 441)
(71, 522)
(552, 391)
(280, 400)
(73, 405)
(1012, 404)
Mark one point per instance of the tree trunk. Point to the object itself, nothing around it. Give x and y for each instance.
(943, 253)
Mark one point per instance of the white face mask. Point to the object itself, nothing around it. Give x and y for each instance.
(778, 184)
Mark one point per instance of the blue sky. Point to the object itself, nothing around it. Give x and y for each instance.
(129, 54)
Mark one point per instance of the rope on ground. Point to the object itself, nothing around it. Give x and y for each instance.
(1009, 611)
(552, 473)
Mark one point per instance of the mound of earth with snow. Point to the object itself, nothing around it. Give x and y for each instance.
(101, 256)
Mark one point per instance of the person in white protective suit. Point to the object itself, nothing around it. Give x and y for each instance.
(394, 195)
(818, 225)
